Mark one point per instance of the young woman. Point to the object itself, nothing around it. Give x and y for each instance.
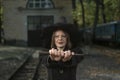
(61, 61)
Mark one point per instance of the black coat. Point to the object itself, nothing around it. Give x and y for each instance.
(58, 70)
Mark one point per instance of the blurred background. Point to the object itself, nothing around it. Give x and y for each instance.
(22, 23)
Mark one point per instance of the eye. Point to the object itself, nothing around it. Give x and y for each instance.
(56, 36)
(60, 36)
(63, 36)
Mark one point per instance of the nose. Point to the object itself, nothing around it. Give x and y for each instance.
(60, 37)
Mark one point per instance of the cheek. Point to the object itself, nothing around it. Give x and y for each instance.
(65, 41)
(55, 41)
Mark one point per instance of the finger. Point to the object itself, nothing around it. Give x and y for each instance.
(51, 55)
(65, 59)
(69, 53)
(73, 53)
(62, 53)
(65, 54)
(59, 53)
(55, 52)
(50, 51)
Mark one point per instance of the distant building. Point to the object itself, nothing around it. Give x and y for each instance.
(24, 19)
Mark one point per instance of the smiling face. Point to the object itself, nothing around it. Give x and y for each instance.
(60, 39)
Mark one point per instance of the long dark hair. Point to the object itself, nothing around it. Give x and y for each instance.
(68, 45)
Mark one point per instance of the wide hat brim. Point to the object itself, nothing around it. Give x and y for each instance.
(71, 29)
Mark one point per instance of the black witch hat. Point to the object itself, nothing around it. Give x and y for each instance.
(71, 29)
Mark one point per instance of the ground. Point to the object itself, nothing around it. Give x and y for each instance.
(105, 66)
(102, 63)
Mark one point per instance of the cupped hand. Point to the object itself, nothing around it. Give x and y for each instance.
(55, 54)
(67, 55)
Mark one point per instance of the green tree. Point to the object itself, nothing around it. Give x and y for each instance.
(105, 10)
(112, 9)
(1, 20)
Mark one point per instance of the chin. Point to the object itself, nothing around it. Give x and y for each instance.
(60, 46)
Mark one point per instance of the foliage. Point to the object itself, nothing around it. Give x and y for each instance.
(89, 12)
(112, 11)
(1, 12)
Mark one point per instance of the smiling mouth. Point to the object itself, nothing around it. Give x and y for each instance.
(60, 42)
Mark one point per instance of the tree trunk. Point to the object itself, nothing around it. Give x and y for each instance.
(0, 26)
(74, 7)
(102, 12)
(83, 25)
(83, 13)
(96, 17)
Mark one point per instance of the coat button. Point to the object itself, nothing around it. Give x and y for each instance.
(61, 71)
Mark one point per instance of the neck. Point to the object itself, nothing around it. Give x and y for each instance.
(60, 48)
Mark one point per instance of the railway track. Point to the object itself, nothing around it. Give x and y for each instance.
(42, 71)
(27, 71)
